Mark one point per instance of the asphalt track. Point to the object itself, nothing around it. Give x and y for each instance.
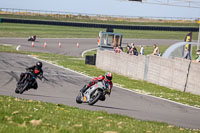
(64, 85)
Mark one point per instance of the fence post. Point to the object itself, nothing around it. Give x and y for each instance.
(146, 67)
(188, 71)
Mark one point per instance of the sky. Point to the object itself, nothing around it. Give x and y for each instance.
(104, 7)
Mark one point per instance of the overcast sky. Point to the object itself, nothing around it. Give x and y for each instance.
(105, 7)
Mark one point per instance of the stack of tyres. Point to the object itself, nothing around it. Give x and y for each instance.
(91, 60)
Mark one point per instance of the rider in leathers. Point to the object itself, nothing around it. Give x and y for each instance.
(37, 71)
(107, 78)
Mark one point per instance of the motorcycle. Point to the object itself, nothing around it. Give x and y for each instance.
(94, 93)
(26, 82)
(32, 38)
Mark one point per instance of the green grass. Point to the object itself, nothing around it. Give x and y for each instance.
(49, 31)
(92, 52)
(46, 31)
(27, 116)
(137, 85)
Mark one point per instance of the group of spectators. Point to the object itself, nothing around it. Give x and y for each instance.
(132, 50)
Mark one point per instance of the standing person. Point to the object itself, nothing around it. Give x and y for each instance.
(156, 50)
(187, 52)
(141, 50)
(198, 56)
(133, 50)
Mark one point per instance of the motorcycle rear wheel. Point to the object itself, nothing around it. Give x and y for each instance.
(78, 99)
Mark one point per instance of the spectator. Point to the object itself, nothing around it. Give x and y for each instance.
(128, 48)
(117, 49)
(141, 50)
(156, 50)
(198, 56)
(133, 49)
(187, 52)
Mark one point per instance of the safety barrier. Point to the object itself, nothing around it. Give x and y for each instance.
(179, 74)
(92, 25)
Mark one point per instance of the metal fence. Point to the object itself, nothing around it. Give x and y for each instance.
(60, 13)
(107, 26)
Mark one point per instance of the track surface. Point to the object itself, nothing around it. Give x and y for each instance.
(64, 86)
(69, 46)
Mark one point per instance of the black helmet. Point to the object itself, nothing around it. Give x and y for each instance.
(39, 65)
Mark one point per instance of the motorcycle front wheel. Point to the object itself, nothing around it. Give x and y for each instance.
(94, 98)
(16, 90)
(23, 88)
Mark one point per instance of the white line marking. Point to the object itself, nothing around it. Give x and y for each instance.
(118, 86)
(17, 48)
(87, 51)
(7, 44)
(159, 98)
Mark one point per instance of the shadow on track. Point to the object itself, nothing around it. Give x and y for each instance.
(116, 108)
(34, 95)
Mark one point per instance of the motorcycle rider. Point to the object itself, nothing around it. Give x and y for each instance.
(37, 71)
(32, 38)
(107, 78)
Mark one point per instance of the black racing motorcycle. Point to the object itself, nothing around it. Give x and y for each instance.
(32, 38)
(26, 82)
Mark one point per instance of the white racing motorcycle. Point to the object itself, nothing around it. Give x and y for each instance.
(94, 93)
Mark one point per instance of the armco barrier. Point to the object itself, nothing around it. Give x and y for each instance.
(179, 74)
(91, 25)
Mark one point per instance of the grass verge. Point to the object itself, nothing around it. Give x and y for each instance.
(49, 31)
(18, 115)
